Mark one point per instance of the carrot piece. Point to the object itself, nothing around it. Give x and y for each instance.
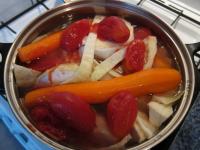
(40, 47)
(154, 80)
(162, 59)
(161, 62)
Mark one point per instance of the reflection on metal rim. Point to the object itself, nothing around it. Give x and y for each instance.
(80, 9)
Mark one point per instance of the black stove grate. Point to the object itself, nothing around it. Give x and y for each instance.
(195, 47)
(10, 20)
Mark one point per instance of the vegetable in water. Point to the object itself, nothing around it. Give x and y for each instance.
(73, 111)
(148, 128)
(47, 61)
(106, 62)
(112, 72)
(137, 133)
(158, 113)
(142, 32)
(134, 57)
(138, 84)
(168, 98)
(25, 77)
(40, 48)
(85, 68)
(104, 49)
(162, 59)
(64, 73)
(105, 66)
(121, 113)
(113, 29)
(151, 50)
(73, 35)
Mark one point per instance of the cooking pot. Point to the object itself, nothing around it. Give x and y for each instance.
(67, 13)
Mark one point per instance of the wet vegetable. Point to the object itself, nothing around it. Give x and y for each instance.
(139, 83)
(142, 32)
(134, 57)
(113, 29)
(73, 35)
(121, 113)
(40, 47)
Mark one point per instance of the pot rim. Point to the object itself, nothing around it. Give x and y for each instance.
(161, 135)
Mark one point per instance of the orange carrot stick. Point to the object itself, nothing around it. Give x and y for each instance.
(40, 48)
(161, 62)
(144, 82)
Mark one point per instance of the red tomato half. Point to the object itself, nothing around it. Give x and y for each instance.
(56, 133)
(121, 113)
(113, 29)
(74, 112)
(48, 61)
(73, 35)
(134, 57)
(141, 33)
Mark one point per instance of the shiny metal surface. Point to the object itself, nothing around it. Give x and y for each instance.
(70, 12)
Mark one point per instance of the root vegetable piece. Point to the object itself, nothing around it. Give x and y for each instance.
(162, 59)
(120, 145)
(85, 68)
(131, 29)
(137, 133)
(101, 136)
(140, 83)
(104, 49)
(151, 50)
(25, 77)
(40, 47)
(105, 66)
(64, 73)
(158, 113)
(168, 97)
(148, 128)
(162, 62)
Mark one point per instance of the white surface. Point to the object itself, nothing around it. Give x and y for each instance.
(188, 31)
(6, 36)
(164, 14)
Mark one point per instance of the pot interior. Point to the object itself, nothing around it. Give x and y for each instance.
(68, 13)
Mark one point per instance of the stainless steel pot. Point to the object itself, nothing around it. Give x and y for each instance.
(70, 12)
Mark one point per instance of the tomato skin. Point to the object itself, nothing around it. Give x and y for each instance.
(76, 113)
(141, 33)
(113, 29)
(48, 61)
(73, 35)
(134, 57)
(56, 133)
(72, 57)
(121, 113)
(47, 122)
(40, 113)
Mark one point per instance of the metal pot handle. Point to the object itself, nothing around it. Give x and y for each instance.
(4, 47)
(194, 48)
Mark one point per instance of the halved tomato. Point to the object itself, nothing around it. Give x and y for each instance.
(113, 29)
(73, 35)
